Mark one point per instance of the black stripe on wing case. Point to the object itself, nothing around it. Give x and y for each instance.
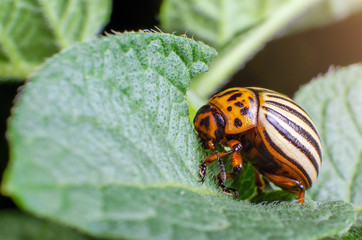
(293, 111)
(278, 150)
(305, 134)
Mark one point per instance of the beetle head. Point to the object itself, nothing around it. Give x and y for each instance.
(210, 124)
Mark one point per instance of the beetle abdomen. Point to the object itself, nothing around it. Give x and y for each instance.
(290, 136)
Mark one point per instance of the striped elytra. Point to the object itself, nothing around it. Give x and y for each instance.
(269, 130)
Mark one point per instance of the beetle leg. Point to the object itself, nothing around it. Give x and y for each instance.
(288, 184)
(236, 163)
(236, 160)
(203, 171)
(213, 157)
(301, 195)
(259, 181)
(227, 190)
(222, 174)
(207, 160)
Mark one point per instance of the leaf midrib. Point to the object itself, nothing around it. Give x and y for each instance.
(353, 176)
(50, 21)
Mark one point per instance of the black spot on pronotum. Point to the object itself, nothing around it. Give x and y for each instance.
(235, 96)
(237, 122)
(239, 104)
(229, 108)
(244, 111)
(205, 122)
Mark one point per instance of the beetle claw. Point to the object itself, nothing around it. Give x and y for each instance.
(203, 172)
(228, 190)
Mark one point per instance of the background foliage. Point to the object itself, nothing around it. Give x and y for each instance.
(31, 31)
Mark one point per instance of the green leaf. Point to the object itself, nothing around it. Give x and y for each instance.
(31, 31)
(100, 140)
(334, 102)
(216, 22)
(239, 28)
(15, 225)
(219, 22)
(326, 12)
(355, 232)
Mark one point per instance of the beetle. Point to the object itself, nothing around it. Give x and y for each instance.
(267, 128)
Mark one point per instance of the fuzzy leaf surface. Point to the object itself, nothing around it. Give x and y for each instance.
(334, 102)
(100, 140)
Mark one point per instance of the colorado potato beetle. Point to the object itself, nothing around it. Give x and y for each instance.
(267, 128)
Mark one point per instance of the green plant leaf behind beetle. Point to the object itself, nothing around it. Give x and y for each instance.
(240, 28)
(220, 22)
(100, 140)
(31, 31)
(334, 102)
(216, 22)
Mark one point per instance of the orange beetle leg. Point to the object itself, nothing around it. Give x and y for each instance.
(217, 156)
(301, 196)
(222, 176)
(236, 163)
(288, 184)
(236, 160)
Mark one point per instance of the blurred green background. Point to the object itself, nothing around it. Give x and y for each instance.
(286, 63)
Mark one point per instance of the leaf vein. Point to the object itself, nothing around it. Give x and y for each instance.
(354, 176)
(323, 136)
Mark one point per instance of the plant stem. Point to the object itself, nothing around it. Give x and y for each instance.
(238, 53)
